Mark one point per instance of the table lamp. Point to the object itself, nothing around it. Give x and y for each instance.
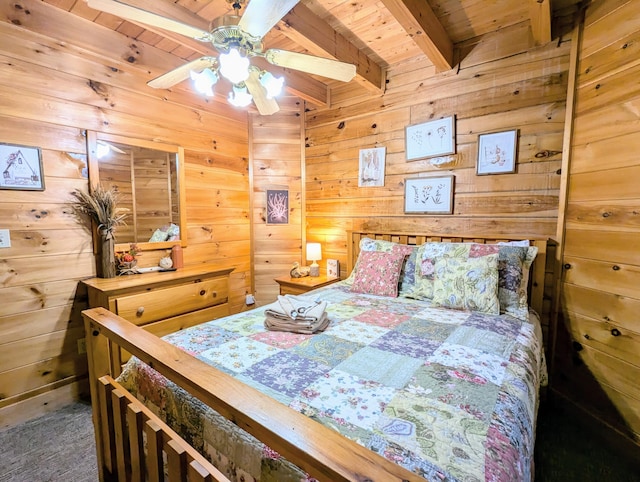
(314, 253)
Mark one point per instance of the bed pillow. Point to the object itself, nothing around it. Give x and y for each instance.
(467, 284)
(378, 273)
(513, 266)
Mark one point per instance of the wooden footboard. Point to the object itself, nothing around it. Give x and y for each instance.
(320, 451)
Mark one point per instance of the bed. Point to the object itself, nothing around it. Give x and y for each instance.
(401, 386)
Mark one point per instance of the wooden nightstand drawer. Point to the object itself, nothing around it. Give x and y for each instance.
(142, 308)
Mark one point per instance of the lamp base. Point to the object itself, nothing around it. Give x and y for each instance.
(314, 269)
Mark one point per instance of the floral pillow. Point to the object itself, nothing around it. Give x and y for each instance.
(467, 284)
(513, 267)
(378, 273)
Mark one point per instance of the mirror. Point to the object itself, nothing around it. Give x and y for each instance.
(149, 177)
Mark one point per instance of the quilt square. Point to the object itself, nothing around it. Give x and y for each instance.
(244, 324)
(406, 344)
(433, 331)
(503, 325)
(280, 339)
(287, 372)
(238, 355)
(363, 333)
(346, 398)
(443, 315)
(488, 366)
(483, 340)
(200, 338)
(326, 349)
(383, 318)
(389, 369)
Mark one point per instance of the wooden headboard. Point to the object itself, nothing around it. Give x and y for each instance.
(536, 274)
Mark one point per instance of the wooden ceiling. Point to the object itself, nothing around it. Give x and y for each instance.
(376, 35)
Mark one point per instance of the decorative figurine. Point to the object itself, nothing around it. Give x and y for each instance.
(299, 271)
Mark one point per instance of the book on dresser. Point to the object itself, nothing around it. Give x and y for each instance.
(333, 268)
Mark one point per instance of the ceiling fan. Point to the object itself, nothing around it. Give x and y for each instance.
(237, 39)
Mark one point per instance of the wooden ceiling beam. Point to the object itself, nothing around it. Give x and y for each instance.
(296, 83)
(540, 13)
(304, 27)
(422, 25)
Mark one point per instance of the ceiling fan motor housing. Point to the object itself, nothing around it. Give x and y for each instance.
(226, 34)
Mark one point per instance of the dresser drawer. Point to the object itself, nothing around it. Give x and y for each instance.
(145, 307)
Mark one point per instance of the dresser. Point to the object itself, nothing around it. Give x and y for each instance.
(164, 302)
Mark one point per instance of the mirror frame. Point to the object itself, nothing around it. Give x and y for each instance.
(94, 179)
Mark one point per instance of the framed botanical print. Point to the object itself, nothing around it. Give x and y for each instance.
(497, 152)
(277, 206)
(431, 139)
(429, 195)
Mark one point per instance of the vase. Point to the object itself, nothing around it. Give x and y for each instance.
(107, 267)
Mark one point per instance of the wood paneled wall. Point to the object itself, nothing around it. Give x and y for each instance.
(601, 280)
(502, 83)
(277, 162)
(53, 85)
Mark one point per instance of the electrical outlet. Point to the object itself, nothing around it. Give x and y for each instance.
(5, 238)
(250, 300)
(82, 346)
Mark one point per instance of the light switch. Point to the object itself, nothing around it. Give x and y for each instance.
(5, 238)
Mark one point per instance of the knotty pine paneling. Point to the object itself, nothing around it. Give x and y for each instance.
(60, 75)
(515, 86)
(276, 163)
(600, 289)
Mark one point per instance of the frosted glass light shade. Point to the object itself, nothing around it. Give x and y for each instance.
(273, 85)
(314, 253)
(239, 97)
(234, 67)
(204, 81)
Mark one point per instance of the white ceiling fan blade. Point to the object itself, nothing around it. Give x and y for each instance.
(332, 69)
(181, 73)
(265, 105)
(136, 14)
(261, 15)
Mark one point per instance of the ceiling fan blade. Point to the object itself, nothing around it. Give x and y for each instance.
(175, 76)
(332, 69)
(136, 14)
(260, 16)
(265, 105)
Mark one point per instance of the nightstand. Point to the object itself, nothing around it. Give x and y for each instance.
(298, 286)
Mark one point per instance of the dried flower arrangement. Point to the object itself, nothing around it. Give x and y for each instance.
(100, 205)
(127, 260)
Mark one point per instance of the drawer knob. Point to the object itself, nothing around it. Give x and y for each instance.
(215, 294)
(202, 292)
(615, 332)
(140, 311)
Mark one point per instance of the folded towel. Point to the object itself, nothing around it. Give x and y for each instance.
(296, 314)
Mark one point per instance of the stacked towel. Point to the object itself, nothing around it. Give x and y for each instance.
(296, 314)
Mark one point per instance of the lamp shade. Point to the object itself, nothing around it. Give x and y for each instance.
(314, 252)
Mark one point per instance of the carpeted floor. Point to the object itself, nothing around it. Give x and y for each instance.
(59, 447)
(56, 447)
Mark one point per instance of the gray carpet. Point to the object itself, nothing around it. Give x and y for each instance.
(56, 447)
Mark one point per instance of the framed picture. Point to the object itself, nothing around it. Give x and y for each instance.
(371, 172)
(497, 152)
(431, 139)
(333, 268)
(21, 168)
(429, 195)
(277, 206)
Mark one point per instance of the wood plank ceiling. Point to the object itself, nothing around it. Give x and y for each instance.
(375, 35)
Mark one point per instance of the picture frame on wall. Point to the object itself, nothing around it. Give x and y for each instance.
(277, 206)
(21, 168)
(371, 167)
(429, 195)
(497, 152)
(431, 139)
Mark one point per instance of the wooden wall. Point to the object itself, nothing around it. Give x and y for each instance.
(502, 83)
(600, 370)
(277, 162)
(53, 85)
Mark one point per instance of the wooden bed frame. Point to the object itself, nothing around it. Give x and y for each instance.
(120, 420)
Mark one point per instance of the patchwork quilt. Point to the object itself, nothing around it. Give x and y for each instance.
(450, 395)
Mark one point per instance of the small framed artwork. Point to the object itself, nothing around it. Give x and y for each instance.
(371, 172)
(333, 268)
(277, 206)
(431, 139)
(21, 168)
(497, 152)
(429, 195)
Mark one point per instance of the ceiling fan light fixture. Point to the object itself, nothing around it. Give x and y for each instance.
(273, 85)
(239, 96)
(204, 81)
(233, 66)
